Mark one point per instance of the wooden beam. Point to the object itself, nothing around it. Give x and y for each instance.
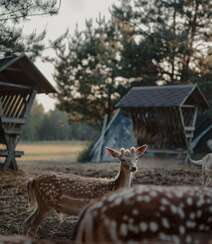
(4, 153)
(195, 117)
(108, 127)
(29, 104)
(12, 61)
(13, 69)
(187, 106)
(13, 120)
(98, 159)
(184, 132)
(13, 131)
(190, 136)
(189, 128)
(182, 117)
(10, 161)
(1, 109)
(11, 85)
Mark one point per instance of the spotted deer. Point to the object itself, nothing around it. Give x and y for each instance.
(206, 164)
(147, 213)
(68, 195)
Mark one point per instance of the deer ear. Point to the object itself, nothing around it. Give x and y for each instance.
(112, 152)
(141, 150)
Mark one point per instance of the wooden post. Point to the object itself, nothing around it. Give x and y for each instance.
(101, 142)
(191, 130)
(186, 141)
(95, 146)
(29, 104)
(12, 135)
(10, 161)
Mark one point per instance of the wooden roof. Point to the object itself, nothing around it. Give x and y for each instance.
(18, 73)
(162, 96)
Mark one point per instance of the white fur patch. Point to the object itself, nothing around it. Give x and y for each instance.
(143, 226)
(153, 226)
(165, 223)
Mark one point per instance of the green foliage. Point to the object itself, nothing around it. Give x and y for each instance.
(174, 30)
(85, 156)
(86, 69)
(143, 43)
(12, 14)
(34, 122)
(54, 125)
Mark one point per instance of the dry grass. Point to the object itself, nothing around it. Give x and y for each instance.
(41, 158)
(51, 151)
(13, 197)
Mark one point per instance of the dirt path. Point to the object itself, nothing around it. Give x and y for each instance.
(13, 199)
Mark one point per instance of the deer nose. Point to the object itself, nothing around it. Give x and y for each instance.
(133, 169)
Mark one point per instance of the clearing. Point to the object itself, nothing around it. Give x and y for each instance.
(42, 158)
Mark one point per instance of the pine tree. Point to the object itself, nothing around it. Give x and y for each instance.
(87, 71)
(143, 43)
(177, 31)
(12, 13)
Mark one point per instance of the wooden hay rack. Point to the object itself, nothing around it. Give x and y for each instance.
(20, 81)
(164, 116)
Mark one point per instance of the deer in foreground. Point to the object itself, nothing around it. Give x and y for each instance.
(206, 164)
(68, 195)
(147, 213)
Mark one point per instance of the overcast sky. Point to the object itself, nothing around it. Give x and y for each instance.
(72, 12)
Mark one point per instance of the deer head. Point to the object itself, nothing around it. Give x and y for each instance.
(128, 157)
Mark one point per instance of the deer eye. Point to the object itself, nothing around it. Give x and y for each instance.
(124, 161)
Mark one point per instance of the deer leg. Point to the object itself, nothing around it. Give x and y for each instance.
(33, 221)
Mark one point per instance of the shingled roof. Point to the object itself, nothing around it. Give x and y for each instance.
(161, 96)
(18, 72)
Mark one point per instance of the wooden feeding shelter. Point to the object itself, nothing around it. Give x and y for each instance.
(164, 117)
(20, 81)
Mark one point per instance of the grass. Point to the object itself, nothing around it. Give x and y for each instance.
(65, 151)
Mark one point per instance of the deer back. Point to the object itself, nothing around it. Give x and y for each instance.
(147, 213)
(50, 189)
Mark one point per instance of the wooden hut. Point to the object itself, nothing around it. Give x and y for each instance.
(164, 116)
(20, 81)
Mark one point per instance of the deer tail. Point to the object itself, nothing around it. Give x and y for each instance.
(31, 193)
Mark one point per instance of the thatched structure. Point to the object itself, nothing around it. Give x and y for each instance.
(164, 116)
(20, 81)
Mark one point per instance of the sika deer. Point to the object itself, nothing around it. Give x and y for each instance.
(147, 213)
(206, 165)
(70, 194)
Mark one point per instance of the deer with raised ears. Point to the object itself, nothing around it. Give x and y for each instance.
(147, 213)
(68, 195)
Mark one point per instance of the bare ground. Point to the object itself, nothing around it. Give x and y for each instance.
(13, 199)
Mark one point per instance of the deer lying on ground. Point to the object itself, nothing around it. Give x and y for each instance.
(206, 164)
(68, 195)
(172, 214)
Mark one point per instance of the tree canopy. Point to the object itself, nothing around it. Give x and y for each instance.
(12, 14)
(87, 71)
(143, 43)
(54, 125)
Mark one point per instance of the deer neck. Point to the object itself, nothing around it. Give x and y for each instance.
(123, 179)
